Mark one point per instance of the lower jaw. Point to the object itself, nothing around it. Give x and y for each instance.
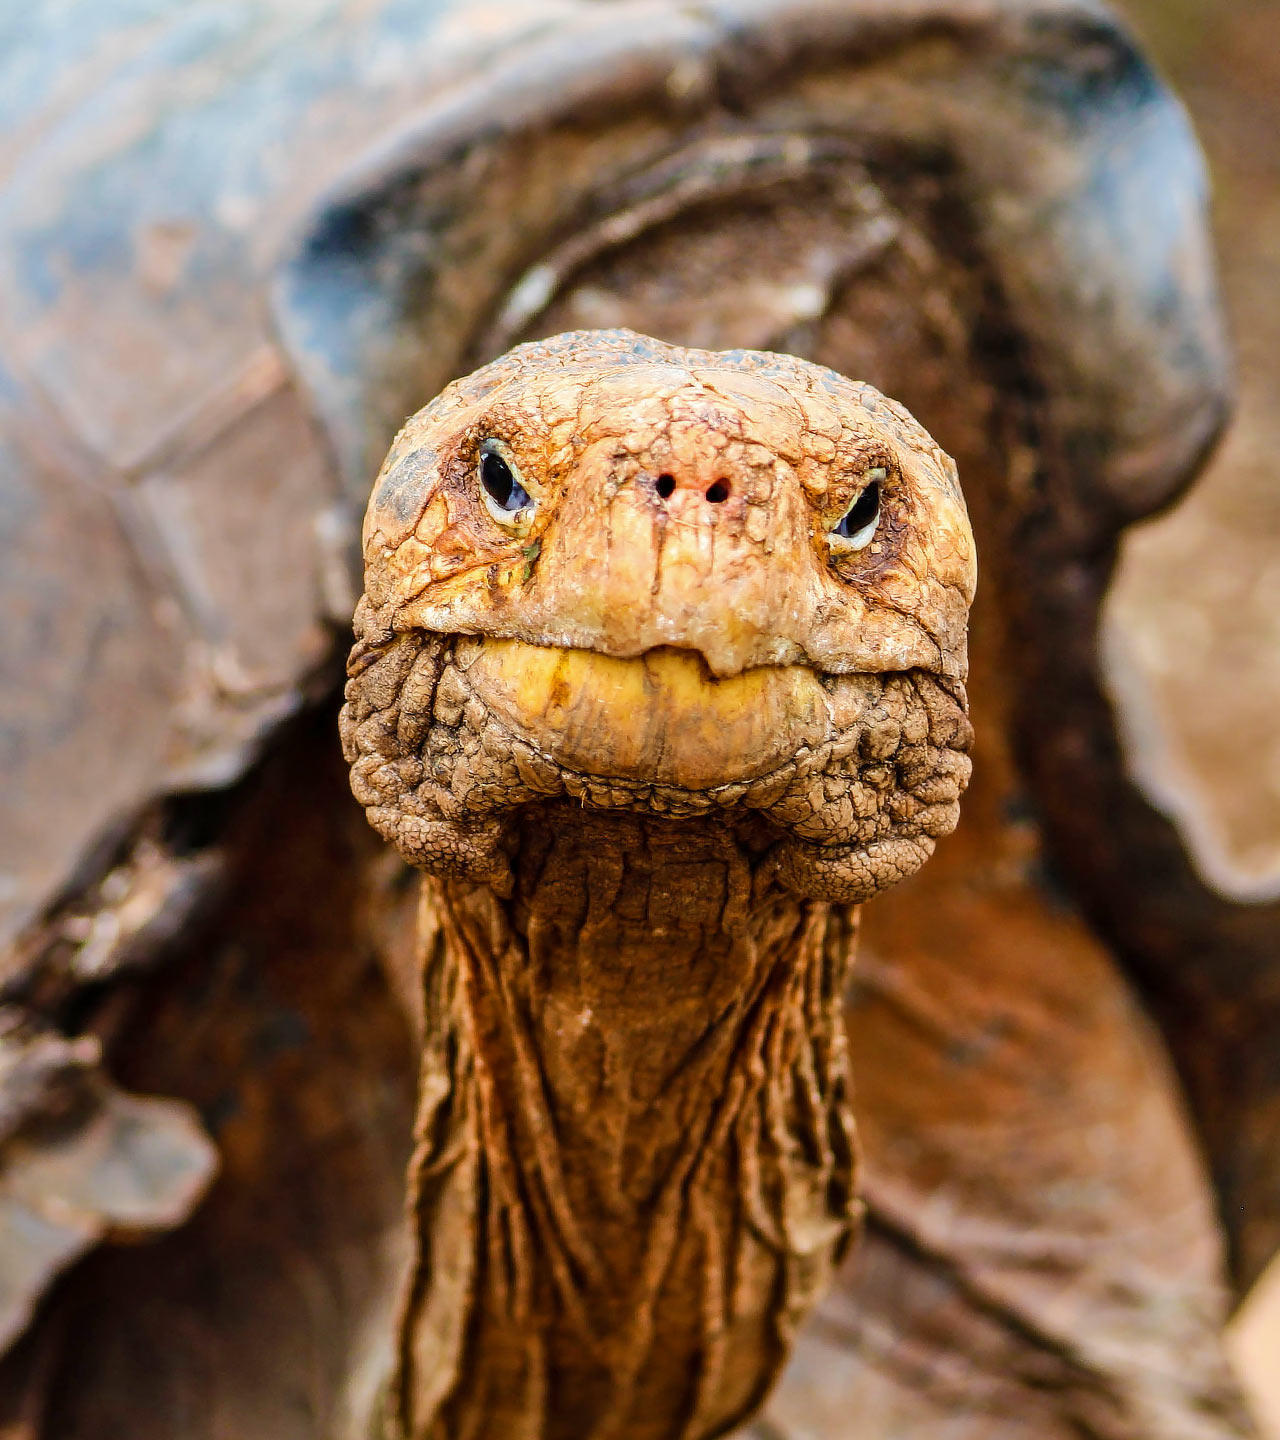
(477, 730)
(659, 719)
(657, 735)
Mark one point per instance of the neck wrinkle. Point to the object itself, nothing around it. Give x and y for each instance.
(635, 1151)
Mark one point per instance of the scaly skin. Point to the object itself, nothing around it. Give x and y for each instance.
(652, 742)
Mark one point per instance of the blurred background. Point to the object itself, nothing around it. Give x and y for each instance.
(1199, 590)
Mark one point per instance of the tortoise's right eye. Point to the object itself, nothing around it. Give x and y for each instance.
(504, 494)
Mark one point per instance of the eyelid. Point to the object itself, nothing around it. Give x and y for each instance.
(496, 445)
(517, 518)
(873, 475)
(840, 543)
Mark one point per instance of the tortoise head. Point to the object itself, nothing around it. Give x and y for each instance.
(669, 581)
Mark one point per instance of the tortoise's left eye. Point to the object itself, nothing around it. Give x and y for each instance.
(856, 527)
(501, 488)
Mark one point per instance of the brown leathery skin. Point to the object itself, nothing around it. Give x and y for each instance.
(635, 1162)
(859, 804)
(652, 743)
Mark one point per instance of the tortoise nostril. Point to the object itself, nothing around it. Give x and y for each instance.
(717, 492)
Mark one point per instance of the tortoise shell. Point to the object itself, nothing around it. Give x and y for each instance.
(238, 247)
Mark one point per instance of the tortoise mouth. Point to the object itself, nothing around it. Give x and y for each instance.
(659, 718)
(466, 729)
(448, 736)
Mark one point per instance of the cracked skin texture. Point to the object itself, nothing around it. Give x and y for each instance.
(653, 743)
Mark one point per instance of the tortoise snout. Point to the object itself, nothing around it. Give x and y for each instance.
(693, 485)
(706, 551)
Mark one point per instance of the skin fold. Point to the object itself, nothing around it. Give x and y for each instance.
(653, 736)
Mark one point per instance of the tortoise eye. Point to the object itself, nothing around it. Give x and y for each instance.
(856, 527)
(505, 497)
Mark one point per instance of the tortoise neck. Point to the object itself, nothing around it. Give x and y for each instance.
(635, 1162)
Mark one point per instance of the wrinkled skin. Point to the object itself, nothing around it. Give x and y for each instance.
(652, 734)
(672, 655)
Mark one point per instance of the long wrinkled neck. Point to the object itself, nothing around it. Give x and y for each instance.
(635, 1160)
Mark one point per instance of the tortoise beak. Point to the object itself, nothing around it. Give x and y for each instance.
(661, 718)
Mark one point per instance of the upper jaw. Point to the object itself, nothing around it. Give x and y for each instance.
(855, 638)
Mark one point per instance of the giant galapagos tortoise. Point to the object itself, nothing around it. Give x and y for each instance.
(240, 245)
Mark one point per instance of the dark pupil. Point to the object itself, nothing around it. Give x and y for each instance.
(503, 487)
(862, 512)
